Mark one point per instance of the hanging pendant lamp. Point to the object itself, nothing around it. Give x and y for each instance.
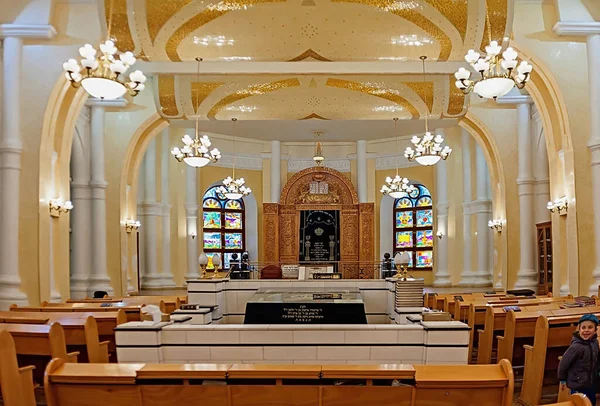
(233, 188)
(397, 186)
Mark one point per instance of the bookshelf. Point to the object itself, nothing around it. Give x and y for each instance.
(544, 257)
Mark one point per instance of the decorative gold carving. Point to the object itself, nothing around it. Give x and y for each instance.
(119, 29)
(200, 91)
(158, 12)
(332, 197)
(166, 95)
(211, 12)
(271, 233)
(298, 183)
(314, 116)
(412, 12)
(384, 93)
(455, 11)
(456, 99)
(288, 232)
(424, 90)
(367, 236)
(309, 53)
(252, 91)
(495, 16)
(349, 234)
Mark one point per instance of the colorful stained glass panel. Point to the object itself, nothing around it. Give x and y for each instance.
(233, 220)
(424, 218)
(233, 241)
(425, 238)
(404, 219)
(233, 204)
(424, 259)
(211, 204)
(404, 239)
(403, 203)
(212, 241)
(212, 219)
(424, 201)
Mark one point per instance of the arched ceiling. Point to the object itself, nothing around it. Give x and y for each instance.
(336, 34)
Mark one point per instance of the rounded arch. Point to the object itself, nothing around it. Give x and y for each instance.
(339, 185)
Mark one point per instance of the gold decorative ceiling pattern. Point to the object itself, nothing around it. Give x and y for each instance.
(304, 97)
(286, 30)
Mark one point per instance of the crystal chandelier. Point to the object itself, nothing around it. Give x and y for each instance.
(428, 150)
(396, 187)
(195, 151)
(497, 73)
(103, 75)
(234, 188)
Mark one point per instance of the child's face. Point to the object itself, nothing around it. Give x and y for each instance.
(587, 329)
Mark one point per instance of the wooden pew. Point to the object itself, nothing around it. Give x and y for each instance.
(576, 399)
(97, 351)
(131, 311)
(552, 337)
(519, 327)
(16, 383)
(276, 385)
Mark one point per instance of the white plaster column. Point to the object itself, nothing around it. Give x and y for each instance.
(441, 276)
(482, 208)
(99, 279)
(81, 196)
(10, 173)
(466, 276)
(275, 171)
(540, 169)
(151, 209)
(527, 275)
(54, 294)
(593, 56)
(167, 275)
(191, 217)
(361, 170)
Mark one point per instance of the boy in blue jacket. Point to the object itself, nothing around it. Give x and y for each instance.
(578, 368)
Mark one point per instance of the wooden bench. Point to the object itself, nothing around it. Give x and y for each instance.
(519, 328)
(167, 304)
(276, 385)
(574, 400)
(131, 311)
(552, 337)
(16, 383)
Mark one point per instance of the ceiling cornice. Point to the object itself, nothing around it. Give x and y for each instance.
(27, 31)
(576, 28)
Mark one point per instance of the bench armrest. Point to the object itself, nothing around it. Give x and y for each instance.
(528, 347)
(500, 338)
(104, 343)
(72, 356)
(26, 369)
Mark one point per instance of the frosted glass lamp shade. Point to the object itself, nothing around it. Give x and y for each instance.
(216, 260)
(402, 259)
(203, 259)
(397, 258)
(102, 88)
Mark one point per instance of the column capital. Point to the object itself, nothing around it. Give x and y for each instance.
(27, 31)
(576, 28)
(98, 184)
(481, 206)
(516, 99)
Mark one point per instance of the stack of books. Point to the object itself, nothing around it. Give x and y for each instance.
(585, 300)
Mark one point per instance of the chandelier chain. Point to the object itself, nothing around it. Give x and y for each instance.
(423, 57)
(488, 23)
(233, 147)
(110, 17)
(396, 135)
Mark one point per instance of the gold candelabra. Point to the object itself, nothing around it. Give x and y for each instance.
(402, 271)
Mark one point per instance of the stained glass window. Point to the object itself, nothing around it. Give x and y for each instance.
(212, 219)
(413, 227)
(221, 216)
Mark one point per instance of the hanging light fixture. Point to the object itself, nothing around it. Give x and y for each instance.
(234, 188)
(103, 75)
(318, 157)
(396, 187)
(195, 151)
(428, 150)
(497, 73)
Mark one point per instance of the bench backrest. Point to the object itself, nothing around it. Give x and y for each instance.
(16, 383)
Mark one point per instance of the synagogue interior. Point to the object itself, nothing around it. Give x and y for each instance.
(297, 202)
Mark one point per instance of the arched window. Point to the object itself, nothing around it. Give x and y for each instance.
(223, 226)
(413, 228)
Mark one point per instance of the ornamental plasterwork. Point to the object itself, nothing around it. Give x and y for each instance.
(248, 162)
(389, 162)
(229, 30)
(296, 165)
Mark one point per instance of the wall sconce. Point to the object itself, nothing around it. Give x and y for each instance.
(560, 205)
(58, 206)
(132, 225)
(496, 224)
(440, 235)
(193, 234)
